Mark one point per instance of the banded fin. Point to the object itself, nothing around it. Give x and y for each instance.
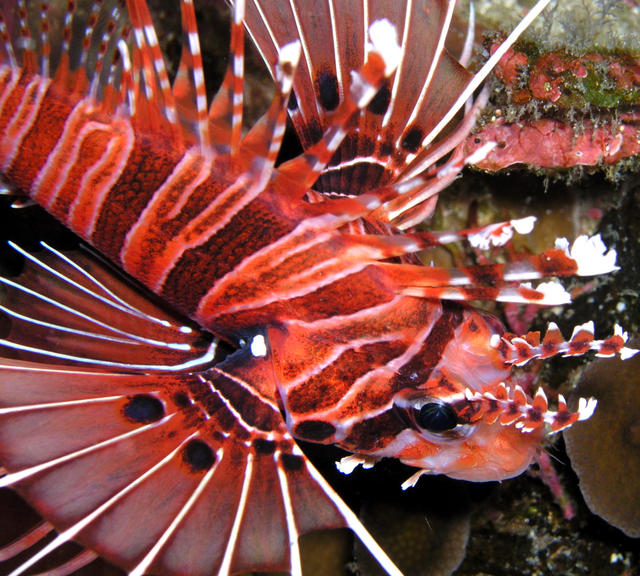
(588, 256)
(133, 459)
(226, 111)
(334, 40)
(519, 350)
(403, 131)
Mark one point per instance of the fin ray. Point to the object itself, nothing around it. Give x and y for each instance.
(104, 443)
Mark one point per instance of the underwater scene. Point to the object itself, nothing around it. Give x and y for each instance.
(322, 288)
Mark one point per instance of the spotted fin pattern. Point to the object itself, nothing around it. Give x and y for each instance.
(402, 132)
(171, 424)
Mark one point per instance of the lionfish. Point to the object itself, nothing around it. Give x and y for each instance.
(120, 423)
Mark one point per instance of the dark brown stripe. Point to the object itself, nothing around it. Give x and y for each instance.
(488, 275)
(419, 368)
(327, 388)
(254, 227)
(93, 146)
(13, 101)
(367, 175)
(212, 405)
(151, 162)
(41, 138)
(250, 407)
(374, 433)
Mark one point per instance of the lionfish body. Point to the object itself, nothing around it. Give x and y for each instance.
(118, 423)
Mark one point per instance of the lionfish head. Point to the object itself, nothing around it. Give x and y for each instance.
(461, 421)
(469, 420)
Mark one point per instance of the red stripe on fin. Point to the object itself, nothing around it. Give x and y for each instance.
(225, 113)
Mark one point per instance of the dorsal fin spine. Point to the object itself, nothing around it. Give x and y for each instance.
(88, 33)
(62, 72)
(128, 88)
(96, 81)
(265, 138)
(237, 47)
(67, 30)
(190, 29)
(44, 35)
(225, 114)
(168, 103)
(29, 61)
(435, 61)
(289, 58)
(8, 47)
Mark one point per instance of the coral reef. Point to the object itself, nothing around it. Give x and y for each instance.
(605, 452)
(568, 95)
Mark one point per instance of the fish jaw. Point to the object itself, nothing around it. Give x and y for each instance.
(490, 453)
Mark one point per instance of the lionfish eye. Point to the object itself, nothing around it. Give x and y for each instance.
(436, 417)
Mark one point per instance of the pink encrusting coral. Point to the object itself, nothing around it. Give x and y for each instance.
(548, 143)
(562, 111)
